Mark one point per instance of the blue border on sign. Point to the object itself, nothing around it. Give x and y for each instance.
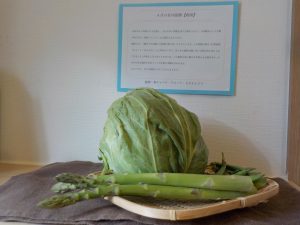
(231, 90)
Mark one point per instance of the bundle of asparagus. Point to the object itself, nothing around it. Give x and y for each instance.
(221, 183)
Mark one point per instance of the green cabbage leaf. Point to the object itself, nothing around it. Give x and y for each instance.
(149, 132)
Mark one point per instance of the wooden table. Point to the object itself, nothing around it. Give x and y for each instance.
(8, 170)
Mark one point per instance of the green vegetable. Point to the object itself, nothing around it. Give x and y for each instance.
(72, 188)
(152, 147)
(155, 191)
(223, 166)
(149, 132)
(212, 182)
(259, 180)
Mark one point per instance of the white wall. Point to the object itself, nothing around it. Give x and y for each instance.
(58, 61)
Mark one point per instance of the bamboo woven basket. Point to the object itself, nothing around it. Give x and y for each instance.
(175, 210)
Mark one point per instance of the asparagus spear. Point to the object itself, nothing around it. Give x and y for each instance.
(212, 182)
(156, 191)
(175, 186)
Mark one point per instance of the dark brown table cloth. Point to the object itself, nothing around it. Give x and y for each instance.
(19, 196)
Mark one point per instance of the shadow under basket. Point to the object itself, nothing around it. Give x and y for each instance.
(186, 210)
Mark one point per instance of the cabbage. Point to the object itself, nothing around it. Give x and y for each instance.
(148, 132)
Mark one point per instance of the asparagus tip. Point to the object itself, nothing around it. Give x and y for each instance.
(56, 201)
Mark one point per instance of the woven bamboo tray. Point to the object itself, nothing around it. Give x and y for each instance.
(175, 210)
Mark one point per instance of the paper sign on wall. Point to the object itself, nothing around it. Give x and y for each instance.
(187, 48)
